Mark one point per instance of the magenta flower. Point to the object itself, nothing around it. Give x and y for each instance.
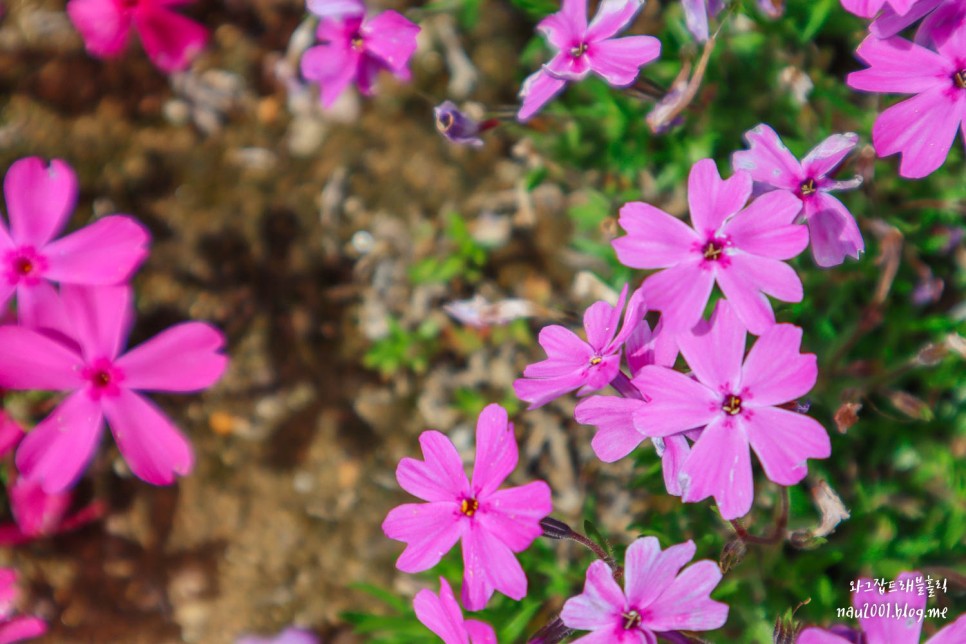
(696, 14)
(15, 629)
(290, 635)
(442, 615)
(739, 248)
(40, 198)
(655, 599)
(921, 128)
(103, 383)
(356, 49)
(38, 514)
(493, 524)
(582, 49)
(575, 364)
(170, 40)
(889, 23)
(888, 628)
(737, 403)
(832, 229)
(868, 8)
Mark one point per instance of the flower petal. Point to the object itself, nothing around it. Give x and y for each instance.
(820, 636)
(496, 450)
(898, 66)
(889, 628)
(648, 571)
(711, 199)
(107, 252)
(537, 90)
(746, 281)
(539, 392)
(889, 23)
(336, 8)
(783, 440)
(832, 230)
(333, 66)
(951, 634)
(827, 155)
(601, 603)
(922, 128)
(429, 531)
(612, 16)
(767, 226)
(774, 371)
(488, 565)
(619, 60)
(440, 476)
(767, 160)
(680, 293)
(102, 25)
(32, 360)
(182, 358)
(480, 632)
(440, 613)
(40, 198)
(720, 466)
(715, 354)
(154, 448)
(19, 629)
(654, 238)
(565, 26)
(170, 40)
(613, 417)
(101, 317)
(686, 604)
(601, 321)
(390, 38)
(676, 451)
(514, 514)
(696, 18)
(55, 452)
(677, 403)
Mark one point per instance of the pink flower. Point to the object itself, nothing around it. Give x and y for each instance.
(889, 23)
(442, 615)
(492, 523)
(169, 39)
(655, 599)
(103, 383)
(868, 8)
(356, 49)
(38, 514)
(923, 127)
(290, 635)
(582, 49)
(40, 198)
(832, 229)
(696, 14)
(889, 629)
(737, 403)
(15, 629)
(574, 364)
(739, 248)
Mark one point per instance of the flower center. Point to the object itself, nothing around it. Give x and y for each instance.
(732, 405)
(103, 377)
(596, 360)
(444, 122)
(24, 266)
(960, 79)
(808, 187)
(631, 619)
(579, 50)
(469, 507)
(713, 250)
(356, 42)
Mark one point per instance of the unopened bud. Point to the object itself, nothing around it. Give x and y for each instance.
(553, 529)
(732, 554)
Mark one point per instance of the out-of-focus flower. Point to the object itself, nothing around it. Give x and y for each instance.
(442, 615)
(104, 383)
(290, 635)
(457, 127)
(657, 596)
(696, 14)
(741, 248)
(832, 230)
(11, 433)
(921, 128)
(573, 363)
(772, 8)
(336, 8)
(170, 40)
(737, 401)
(15, 629)
(40, 198)
(493, 524)
(582, 49)
(38, 514)
(356, 49)
(868, 8)
(884, 625)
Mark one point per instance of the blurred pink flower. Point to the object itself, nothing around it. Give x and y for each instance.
(741, 248)
(696, 14)
(38, 514)
(575, 364)
(442, 615)
(655, 599)
(169, 39)
(15, 629)
(582, 49)
(493, 524)
(868, 8)
(103, 382)
(736, 400)
(889, 629)
(40, 198)
(355, 49)
(921, 128)
(336, 8)
(833, 232)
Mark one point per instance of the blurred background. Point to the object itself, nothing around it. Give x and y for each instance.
(325, 246)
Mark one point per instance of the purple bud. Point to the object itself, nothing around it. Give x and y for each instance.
(457, 126)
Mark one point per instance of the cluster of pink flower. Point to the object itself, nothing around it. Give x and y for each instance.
(71, 339)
